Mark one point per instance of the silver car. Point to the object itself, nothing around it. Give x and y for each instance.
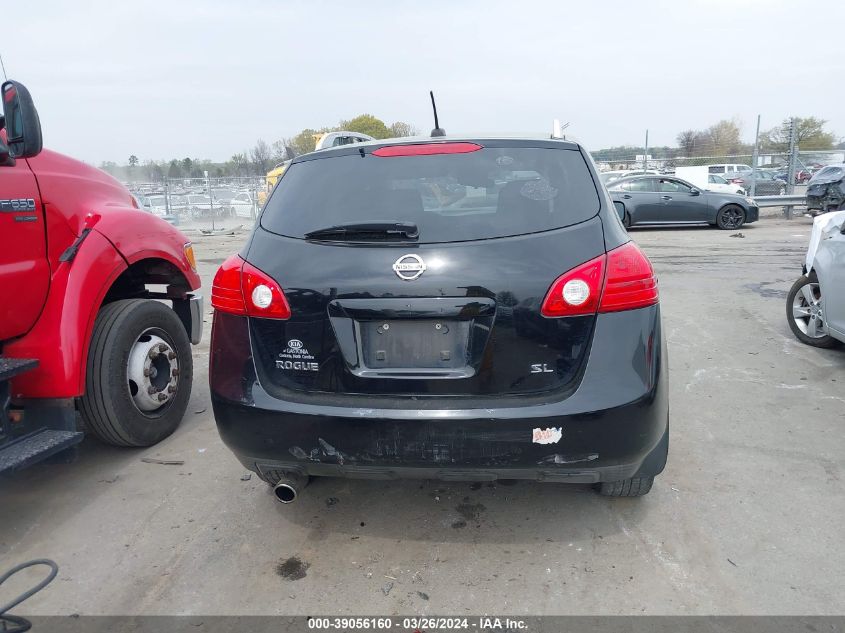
(815, 306)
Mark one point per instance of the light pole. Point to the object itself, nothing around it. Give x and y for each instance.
(210, 199)
(755, 158)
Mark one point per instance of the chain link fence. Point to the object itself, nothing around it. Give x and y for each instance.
(806, 161)
(756, 174)
(206, 204)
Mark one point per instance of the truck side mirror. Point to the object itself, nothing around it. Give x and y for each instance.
(23, 128)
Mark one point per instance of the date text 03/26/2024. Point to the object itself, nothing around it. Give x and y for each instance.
(427, 624)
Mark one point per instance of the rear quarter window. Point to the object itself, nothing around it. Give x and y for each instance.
(492, 192)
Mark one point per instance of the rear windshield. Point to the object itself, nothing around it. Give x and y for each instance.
(492, 192)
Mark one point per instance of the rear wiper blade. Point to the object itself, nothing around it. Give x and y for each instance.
(372, 230)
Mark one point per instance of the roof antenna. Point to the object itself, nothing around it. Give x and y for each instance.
(437, 131)
(3, 66)
(557, 129)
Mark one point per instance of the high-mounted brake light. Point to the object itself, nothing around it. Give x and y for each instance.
(427, 149)
(623, 279)
(241, 288)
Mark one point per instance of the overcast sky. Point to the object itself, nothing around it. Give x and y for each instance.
(205, 79)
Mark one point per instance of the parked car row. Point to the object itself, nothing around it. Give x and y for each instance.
(222, 203)
(767, 183)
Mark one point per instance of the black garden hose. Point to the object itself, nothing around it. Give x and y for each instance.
(13, 623)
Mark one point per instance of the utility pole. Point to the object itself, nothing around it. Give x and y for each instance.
(254, 200)
(645, 152)
(793, 155)
(210, 199)
(755, 158)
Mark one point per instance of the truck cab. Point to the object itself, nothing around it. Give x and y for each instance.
(98, 303)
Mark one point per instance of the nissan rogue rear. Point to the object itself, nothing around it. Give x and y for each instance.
(454, 309)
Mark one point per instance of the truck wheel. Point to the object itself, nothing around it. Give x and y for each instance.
(633, 487)
(139, 372)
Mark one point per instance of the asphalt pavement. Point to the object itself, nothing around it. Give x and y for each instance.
(746, 519)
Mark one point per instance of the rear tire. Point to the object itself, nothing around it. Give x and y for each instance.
(633, 487)
(804, 316)
(626, 221)
(110, 406)
(730, 217)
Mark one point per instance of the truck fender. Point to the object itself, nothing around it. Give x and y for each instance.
(60, 337)
(138, 235)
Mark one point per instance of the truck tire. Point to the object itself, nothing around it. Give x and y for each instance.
(139, 373)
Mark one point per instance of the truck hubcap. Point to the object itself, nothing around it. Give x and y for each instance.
(153, 372)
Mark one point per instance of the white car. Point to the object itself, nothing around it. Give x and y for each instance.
(717, 183)
(724, 168)
(815, 305)
(243, 205)
(158, 205)
(607, 177)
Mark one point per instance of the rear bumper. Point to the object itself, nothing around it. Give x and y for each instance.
(614, 426)
(600, 446)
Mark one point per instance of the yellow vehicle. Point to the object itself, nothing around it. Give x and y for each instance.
(270, 181)
(321, 141)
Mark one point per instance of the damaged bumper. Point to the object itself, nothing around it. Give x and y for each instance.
(826, 196)
(614, 426)
(602, 446)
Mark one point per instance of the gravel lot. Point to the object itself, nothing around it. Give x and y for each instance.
(746, 519)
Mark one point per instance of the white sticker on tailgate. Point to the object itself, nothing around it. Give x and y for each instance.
(547, 436)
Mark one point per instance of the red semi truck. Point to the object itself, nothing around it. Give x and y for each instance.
(98, 303)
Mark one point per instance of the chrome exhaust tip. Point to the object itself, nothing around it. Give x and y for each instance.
(288, 486)
(285, 492)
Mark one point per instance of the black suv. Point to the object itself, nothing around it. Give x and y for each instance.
(456, 309)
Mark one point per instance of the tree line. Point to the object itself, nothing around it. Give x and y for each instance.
(255, 161)
(723, 138)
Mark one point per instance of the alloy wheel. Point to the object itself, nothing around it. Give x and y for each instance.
(807, 311)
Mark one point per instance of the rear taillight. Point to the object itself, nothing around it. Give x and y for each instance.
(576, 292)
(630, 282)
(240, 288)
(623, 279)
